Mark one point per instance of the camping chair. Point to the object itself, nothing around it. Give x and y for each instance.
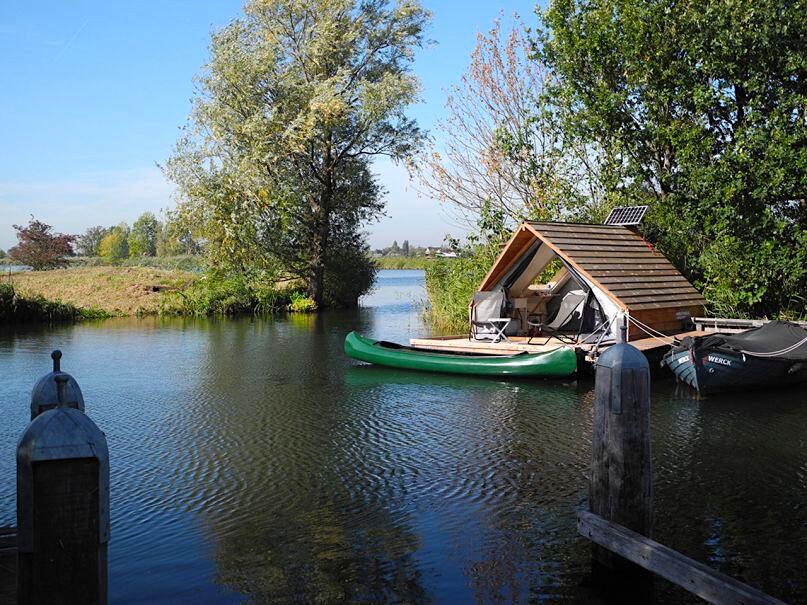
(485, 316)
(570, 306)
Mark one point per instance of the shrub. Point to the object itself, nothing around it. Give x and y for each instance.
(350, 273)
(229, 295)
(300, 303)
(40, 248)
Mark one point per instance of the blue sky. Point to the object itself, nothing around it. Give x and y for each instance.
(94, 92)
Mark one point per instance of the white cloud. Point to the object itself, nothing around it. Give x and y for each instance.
(72, 205)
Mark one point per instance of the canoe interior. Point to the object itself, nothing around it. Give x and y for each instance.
(394, 346)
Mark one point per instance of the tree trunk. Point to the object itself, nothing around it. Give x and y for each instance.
(316, 286)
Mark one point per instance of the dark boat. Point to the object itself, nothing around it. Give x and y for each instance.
(773, 355)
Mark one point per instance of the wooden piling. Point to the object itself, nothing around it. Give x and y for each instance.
(621, 485)
(62, 503)
(620, 520)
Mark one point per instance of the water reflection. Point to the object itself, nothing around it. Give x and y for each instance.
(252, 461)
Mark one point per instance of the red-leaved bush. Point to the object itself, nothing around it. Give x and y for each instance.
(39, 248)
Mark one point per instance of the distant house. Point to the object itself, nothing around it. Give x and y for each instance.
(439, 252)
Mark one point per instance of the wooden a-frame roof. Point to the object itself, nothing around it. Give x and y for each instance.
(617, 260)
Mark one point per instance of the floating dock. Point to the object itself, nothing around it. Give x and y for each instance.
(653, 348)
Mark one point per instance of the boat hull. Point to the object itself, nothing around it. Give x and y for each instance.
(715, 371)
(558, 363)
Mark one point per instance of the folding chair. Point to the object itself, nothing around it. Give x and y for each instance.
(485, 316)
(571, 305)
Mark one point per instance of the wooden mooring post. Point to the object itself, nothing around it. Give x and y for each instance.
(62, 499)
(620, 519)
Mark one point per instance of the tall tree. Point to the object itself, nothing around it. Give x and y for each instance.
(89, 243)
(41, 248)
(298, 98)
(405, 247)
(698, 109)
(502, 151)
(143, 235)
(114, 247)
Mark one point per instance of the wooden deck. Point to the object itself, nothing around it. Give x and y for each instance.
(517, 344)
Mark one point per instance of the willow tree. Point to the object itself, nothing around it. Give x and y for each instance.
(274, 166)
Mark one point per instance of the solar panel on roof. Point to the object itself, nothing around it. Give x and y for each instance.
(626, 216)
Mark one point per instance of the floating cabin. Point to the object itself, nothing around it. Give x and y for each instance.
(609, 274)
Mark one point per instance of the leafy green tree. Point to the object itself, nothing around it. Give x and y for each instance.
(143, 235)
(175, 239)
(405, 247)
(89, 243)
(114, 247)
(39, 247)
(298, 98)
(699, 110)
(2, 253)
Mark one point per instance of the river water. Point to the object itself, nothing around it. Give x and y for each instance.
(252, 462)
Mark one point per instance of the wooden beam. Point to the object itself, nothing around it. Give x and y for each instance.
(699, 579)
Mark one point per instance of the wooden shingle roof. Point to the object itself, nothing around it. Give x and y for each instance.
(622, 263)
(619, 261)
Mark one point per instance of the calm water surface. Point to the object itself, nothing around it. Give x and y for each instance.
(252, 462)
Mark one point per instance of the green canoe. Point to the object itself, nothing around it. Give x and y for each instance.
(557, 363)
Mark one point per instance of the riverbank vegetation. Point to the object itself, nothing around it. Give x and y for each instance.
(697, 112)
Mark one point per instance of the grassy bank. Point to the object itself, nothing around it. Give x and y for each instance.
(16, 307)
(114, 290)
(402, 262)
(90, 292)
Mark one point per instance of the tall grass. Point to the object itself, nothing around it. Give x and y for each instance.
(17, 308)
(451, 283)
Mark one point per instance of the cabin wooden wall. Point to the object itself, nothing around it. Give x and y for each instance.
(666, 320)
